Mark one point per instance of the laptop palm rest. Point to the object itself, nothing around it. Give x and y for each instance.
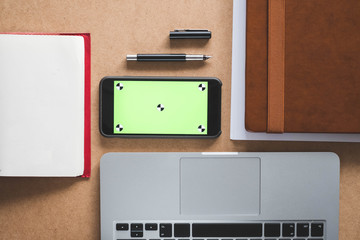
(220, 186)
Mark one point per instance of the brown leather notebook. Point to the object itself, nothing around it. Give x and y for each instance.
(303, 66)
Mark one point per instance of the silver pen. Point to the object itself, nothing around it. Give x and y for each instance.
(177, 57)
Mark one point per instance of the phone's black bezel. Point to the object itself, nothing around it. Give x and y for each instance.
(106, 107)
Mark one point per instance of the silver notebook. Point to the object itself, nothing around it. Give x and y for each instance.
(223, 196)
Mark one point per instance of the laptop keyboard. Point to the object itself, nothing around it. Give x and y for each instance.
(197, 230)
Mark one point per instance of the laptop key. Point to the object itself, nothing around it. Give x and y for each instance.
(165, 230)
(137, 234)
(136, 230)
(317, 229)
(302, 229)
(226, 230)
(288, 230)
(136, 227)
(151, 226)
(182, 230)
(272, 229)
(132, 239)
(122, 226)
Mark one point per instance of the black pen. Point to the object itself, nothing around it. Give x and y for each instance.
(178, 57)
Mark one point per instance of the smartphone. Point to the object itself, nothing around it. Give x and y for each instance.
(160, 107)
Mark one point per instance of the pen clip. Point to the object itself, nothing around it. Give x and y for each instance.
(191, 30)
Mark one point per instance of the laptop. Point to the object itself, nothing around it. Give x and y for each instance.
(219, 196)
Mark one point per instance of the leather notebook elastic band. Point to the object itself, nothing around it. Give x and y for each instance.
(276, 65)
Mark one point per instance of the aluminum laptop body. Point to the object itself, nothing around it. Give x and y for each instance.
(222, 196)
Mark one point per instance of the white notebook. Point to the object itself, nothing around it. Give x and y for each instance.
(42, 87)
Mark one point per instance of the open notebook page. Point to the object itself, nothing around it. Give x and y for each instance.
(41, 105)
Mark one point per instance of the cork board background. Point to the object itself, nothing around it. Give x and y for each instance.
(68, 208)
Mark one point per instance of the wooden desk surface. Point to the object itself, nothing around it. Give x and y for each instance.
(68, 208)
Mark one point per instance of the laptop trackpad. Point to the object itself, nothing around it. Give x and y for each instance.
(220, 186)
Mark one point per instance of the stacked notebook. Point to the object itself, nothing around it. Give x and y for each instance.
(45, 105)
(302, 66)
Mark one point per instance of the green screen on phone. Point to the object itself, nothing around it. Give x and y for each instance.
(160, 107)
